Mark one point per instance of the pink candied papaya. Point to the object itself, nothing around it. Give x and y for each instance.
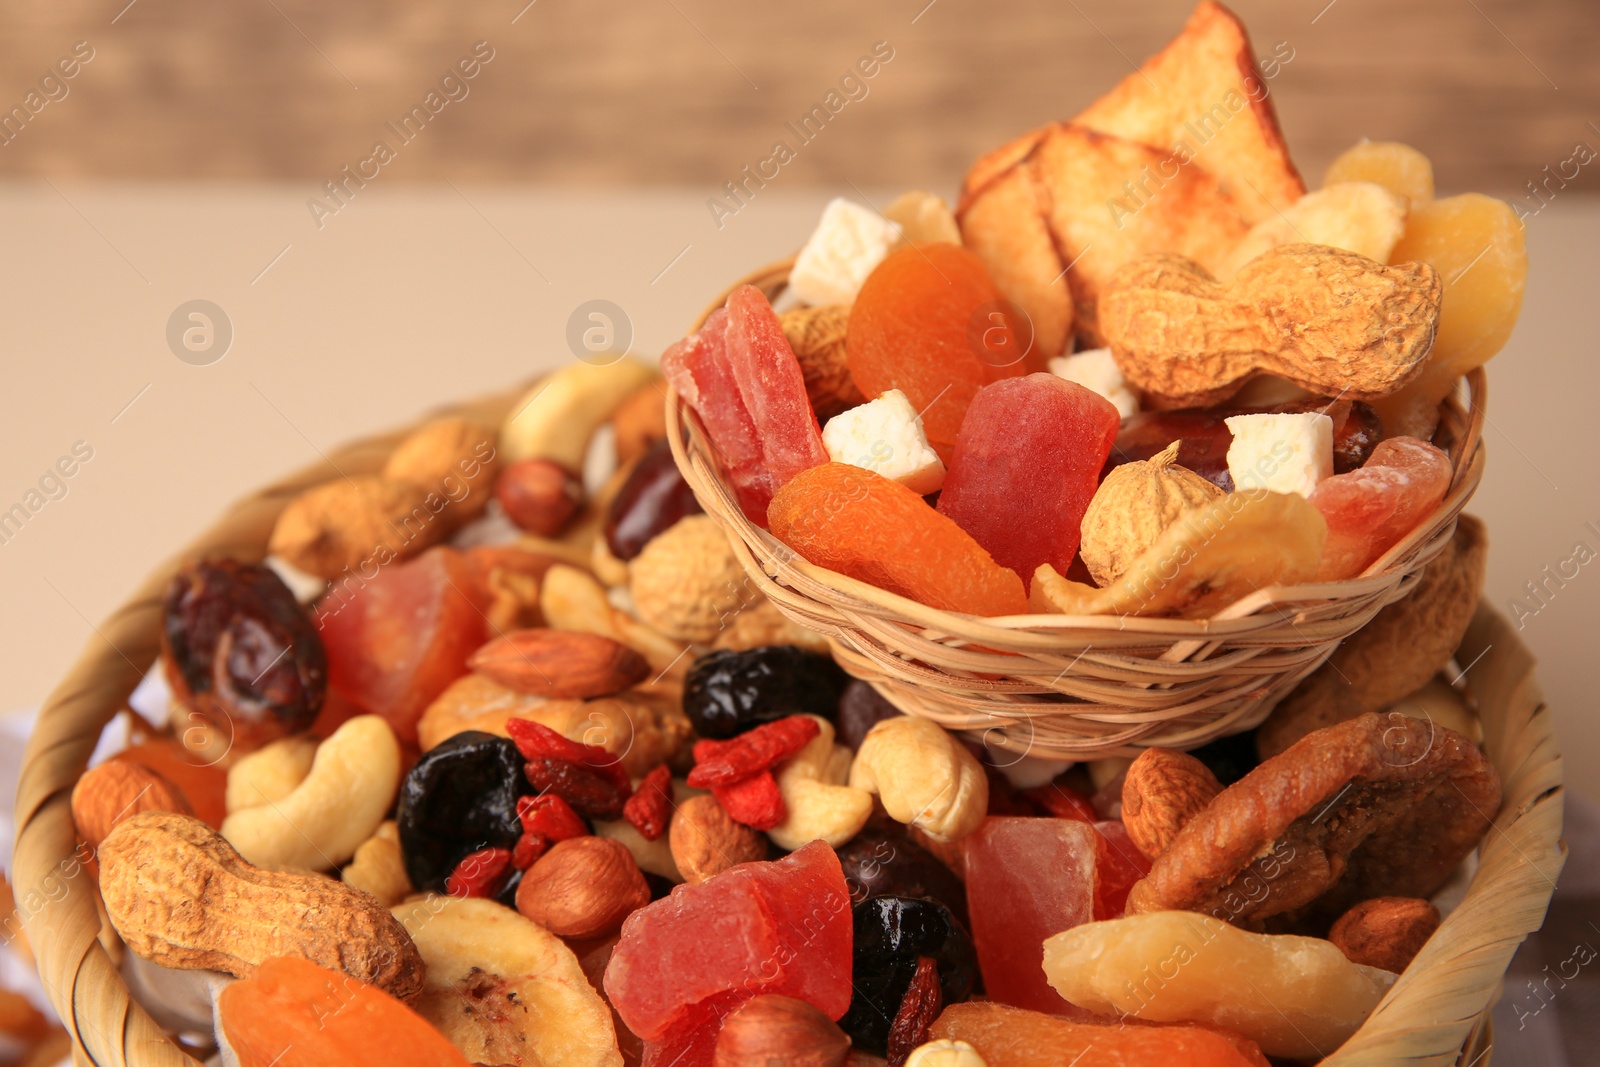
(741, 377)
(1013, 1037)
(1026, 464)
(930, 322)
(870, 528)
(784, 927)
(1370, 509)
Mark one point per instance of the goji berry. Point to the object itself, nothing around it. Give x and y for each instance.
(536, 740)
(590, 793)
(1062, 803)
(754, 801)
(918, 1009)
(530, 846)
(726, 762)
(480, 874)
(550, 816)
(651, 804)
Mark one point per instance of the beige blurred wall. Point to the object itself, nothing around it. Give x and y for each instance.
(685, 92)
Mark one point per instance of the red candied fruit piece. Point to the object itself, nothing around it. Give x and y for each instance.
(535, 740)
(755, 801)
(480, 874)
(867, 527)
(1061, 802)
(930, 322)
(651, 804)
(726, 762)
(765, 927)
(1117, 866)
(743, 380)
(1370, 509)
(1027, 462)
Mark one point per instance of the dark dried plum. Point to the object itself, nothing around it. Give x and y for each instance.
(860, 709)
(890, 933)
(460, 797)
(654, 497)
(240, 651)
(882, 863)
(730, 692)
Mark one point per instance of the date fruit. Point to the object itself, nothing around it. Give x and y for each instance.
(241, 652)
(654, 497)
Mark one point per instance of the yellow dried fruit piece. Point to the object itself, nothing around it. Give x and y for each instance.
(1134, 506)
(1397, 167)
(923, 218)
(1476, 243)
(1361, 217)
(1297, 997)
(1210, 557)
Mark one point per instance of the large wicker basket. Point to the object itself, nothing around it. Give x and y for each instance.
(1079, 687)
(1436, 1010)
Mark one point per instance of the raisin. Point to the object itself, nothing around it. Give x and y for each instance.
(590, 793)
(241, 652)
(880, 862)
(727, 762)
(860, 709)
(651, 804)
(918, 1009)
(460, 797)
(890, 933)
(730, 692)
(654, 497)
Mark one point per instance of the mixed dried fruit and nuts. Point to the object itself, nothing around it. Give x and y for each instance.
(576, 793)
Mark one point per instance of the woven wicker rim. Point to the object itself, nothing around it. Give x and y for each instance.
(1128, 682)
(1434, 1011)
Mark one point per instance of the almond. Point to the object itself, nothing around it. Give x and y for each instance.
(582, 888)
(113, 792)
(706, 841)
(560, 663)
(1385, 932)
(774, 1029)
(1163, 790)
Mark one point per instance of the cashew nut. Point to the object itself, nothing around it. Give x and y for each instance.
(924, 776)
(818, 807)
(379, 868)
(352, 783)
(270, 773)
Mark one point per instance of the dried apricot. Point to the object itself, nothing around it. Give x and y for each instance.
(875, 530)
(930, 322)
(1397, 167)
(292, 1013)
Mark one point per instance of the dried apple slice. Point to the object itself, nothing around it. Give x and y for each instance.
(1003, 223)
(504, 989)
(1202, 92)
(1209, 558)
(1361, 217)
(1109, 200)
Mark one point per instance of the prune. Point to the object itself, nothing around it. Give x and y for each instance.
(654, 497)
(860, 709)
(879, 862)
(241, 652)
(1204, 438)
(890, 933)
(1230, 758)
(461, 796)
(729, 692)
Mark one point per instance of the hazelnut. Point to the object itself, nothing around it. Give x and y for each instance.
(774, 1029)
(539, 495)
(583, 888)
(1385, 932)
(705, 840)
(1163, 790)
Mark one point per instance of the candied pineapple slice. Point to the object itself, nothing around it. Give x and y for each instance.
(1297, 997)
(1476, 244)
(1397, 167)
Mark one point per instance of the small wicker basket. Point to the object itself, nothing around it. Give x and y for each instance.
(1069, 686)
(1437, 1013)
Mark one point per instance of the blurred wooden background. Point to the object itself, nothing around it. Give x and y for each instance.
(685, 92)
